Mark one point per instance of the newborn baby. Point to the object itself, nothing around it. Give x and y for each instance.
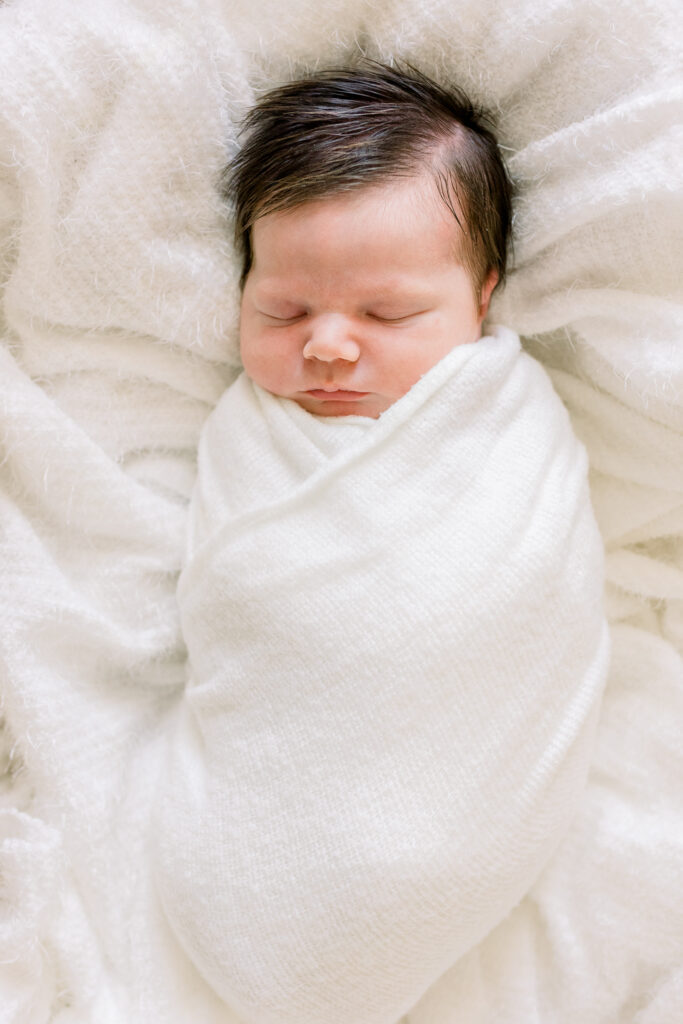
(392, 592)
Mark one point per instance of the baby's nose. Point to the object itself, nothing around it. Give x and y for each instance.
(329, 340)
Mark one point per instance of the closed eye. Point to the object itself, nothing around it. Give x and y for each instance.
(283, 320)
(396, 319)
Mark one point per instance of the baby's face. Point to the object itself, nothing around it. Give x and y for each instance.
(351, 299)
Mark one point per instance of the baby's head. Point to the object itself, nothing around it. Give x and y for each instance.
(373, 214)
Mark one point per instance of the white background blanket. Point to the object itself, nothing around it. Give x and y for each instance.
(118, 318)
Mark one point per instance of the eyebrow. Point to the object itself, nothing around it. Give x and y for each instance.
(416, 294)
(272, 290)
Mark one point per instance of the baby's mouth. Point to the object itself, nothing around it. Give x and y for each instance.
(336, 394)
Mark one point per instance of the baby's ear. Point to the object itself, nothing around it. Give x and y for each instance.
(486, 291)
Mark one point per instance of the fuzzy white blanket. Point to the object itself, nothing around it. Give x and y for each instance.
(118, 302)
(396, 657)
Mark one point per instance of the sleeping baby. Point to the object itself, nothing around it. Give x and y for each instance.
(392, 595)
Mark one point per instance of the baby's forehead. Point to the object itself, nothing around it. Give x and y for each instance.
(362, 246)
(357, 247)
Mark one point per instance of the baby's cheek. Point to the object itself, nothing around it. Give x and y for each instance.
(255, 359)
(409, 370)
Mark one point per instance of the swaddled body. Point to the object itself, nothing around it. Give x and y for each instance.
(397, 653)
(392, 608)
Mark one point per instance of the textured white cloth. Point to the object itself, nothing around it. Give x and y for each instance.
(397, 651)
(118, 303)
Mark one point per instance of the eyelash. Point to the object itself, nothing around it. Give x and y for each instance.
(284, 319)
(391, 319)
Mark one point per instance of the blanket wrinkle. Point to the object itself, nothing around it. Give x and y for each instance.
(29, 867)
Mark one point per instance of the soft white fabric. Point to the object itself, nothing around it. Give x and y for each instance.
(397, 651)
(118, 322)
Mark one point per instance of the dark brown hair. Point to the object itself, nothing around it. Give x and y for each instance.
(346, 128)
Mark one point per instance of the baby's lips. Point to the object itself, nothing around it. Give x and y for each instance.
(338, 394)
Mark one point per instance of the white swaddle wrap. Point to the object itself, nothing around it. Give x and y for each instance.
(397, 652)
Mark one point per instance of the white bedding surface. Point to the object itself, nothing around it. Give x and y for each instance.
(118, 309)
